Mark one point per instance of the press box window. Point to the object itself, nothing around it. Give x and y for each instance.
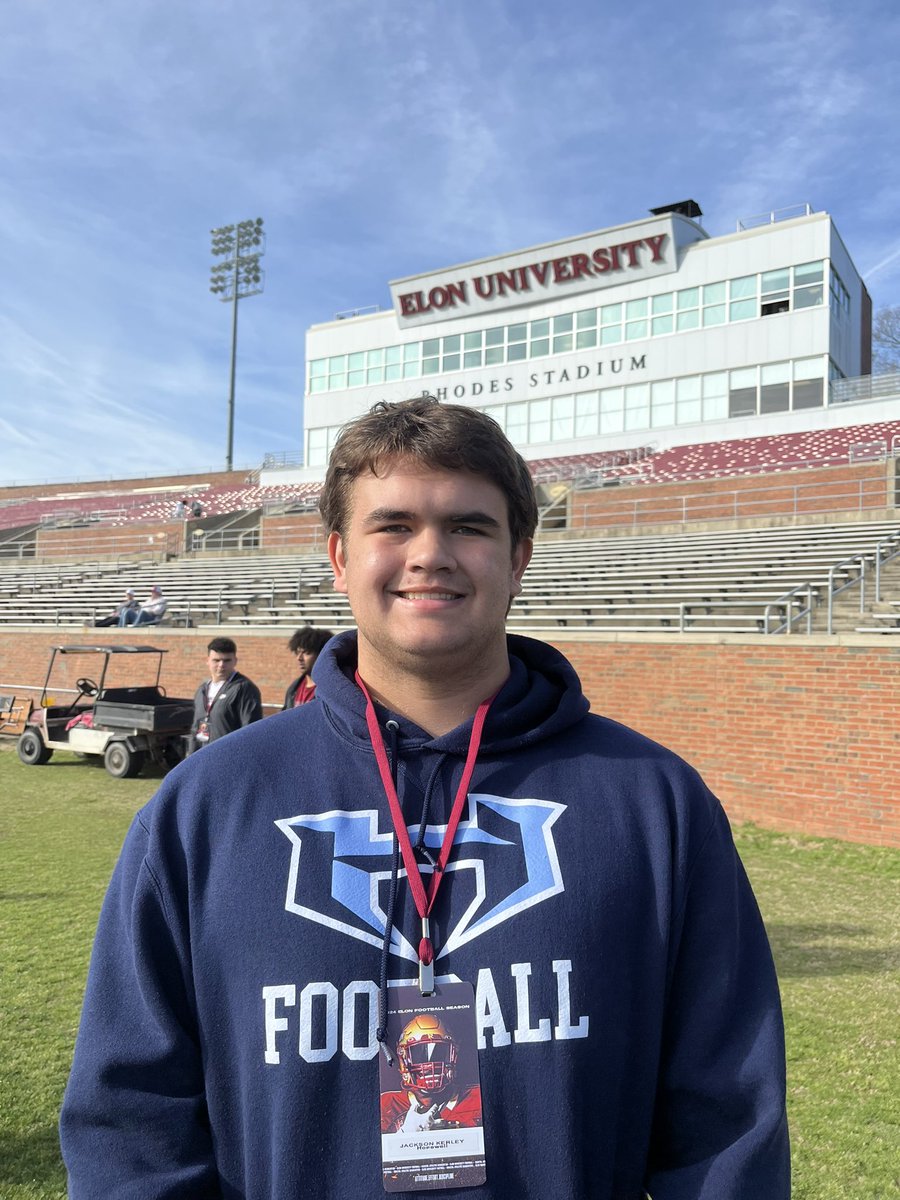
(636, 319)
(687, 303)
(431, 356)
(356, 373)
(714, 310)
(450, 352)
(411, 360)
(563, 418)
(715, 396)
(662, 403)
(688, 399)
(586, 329)
(663, 320)
(743, 298)
(563, 339)
(587, 411)
(493, 346)
(742, 393)
(775, 388)
(472, 349)
(776, 292)
(337, 371)
(612, 410)
(318, 375)
(610, 324)
(539, 421)
(809, 286)
(516, 344)
(517, 422)
(317, 447)
(809, 386)
(637, 406)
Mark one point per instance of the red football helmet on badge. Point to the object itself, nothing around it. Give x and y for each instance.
(427, 1055)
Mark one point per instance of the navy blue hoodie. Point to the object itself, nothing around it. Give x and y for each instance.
(628, 1012)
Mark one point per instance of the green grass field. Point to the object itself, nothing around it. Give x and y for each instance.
(831, 909)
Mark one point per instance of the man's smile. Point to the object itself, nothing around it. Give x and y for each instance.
(420, 594)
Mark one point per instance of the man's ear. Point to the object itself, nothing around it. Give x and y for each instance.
(338, 561)
(520, 560)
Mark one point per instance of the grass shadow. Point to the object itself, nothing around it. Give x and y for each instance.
(32, 1158)
(807, 950)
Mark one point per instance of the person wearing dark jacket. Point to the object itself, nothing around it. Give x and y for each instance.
(626, 1033)
(227, 700)
(307, 644)
(129, 604)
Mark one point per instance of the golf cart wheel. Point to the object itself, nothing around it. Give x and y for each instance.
(31, 750)
(121, 762)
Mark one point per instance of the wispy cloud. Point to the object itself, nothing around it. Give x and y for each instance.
(376, 141)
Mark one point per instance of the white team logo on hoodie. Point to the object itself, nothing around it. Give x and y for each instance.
(344, 887)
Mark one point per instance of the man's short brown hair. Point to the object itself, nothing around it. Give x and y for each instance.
(222, 645)
(451, 437)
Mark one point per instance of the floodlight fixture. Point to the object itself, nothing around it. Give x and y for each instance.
(233, 279)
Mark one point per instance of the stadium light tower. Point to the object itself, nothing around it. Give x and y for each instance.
(237, 276)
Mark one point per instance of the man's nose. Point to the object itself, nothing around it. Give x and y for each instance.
(430, 550)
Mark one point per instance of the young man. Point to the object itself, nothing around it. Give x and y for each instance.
(626, 1030)
(227, 700)
(306, 645)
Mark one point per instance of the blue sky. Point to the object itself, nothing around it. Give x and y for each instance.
(377, 140)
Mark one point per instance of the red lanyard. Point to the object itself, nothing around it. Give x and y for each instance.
(424, 902)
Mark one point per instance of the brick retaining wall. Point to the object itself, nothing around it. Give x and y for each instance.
(795, 734)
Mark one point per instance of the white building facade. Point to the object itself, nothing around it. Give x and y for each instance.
(646, 334)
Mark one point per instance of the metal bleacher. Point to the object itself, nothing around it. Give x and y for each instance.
(793, 579)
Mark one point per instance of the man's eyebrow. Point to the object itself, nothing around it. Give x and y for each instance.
(474, 518)
(380, 516)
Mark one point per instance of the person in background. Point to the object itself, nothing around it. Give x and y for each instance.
(196, 508)
(306, 644)
(151, 612)
(181, 508)
(129, 604)
(227, 700)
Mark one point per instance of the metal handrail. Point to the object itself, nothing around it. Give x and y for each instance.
(858, 560)
(787, 603)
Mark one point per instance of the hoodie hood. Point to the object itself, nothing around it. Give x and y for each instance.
(541, 698)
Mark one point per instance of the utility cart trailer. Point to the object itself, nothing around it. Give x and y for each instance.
(123, 725)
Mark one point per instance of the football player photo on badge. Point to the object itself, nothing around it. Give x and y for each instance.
(431, 1113)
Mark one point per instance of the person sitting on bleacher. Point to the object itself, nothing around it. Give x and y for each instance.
(151, 612)
(130, 604)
